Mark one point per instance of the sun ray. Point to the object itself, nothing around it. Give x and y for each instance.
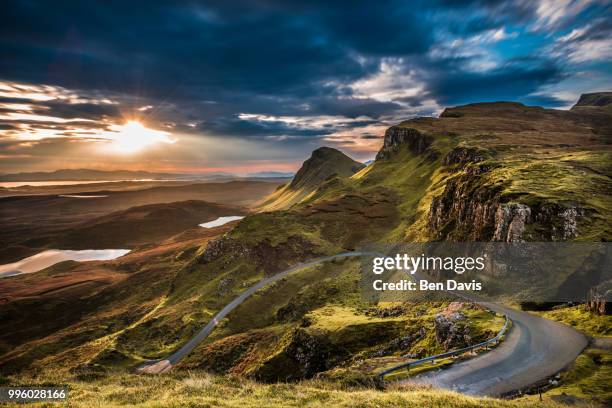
(133, 136)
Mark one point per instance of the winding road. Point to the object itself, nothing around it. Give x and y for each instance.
(161, 366)
(534, 349)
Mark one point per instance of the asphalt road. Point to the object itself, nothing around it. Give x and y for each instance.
(161, 366)
(534, 349)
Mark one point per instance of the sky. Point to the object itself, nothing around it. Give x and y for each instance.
(247, 86)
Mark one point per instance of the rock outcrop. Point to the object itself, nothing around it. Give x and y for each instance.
(271, 258)
(397, 137)
(599, 299)
(465, 210)
(463, 155)
(470, 209)
(300, 355)
(510, 221)
(561, 221)
(452, 332)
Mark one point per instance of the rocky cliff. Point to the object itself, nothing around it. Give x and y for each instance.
(600, 99)
(470, 208)
(398, 137)
(510, 172)
(599, 299)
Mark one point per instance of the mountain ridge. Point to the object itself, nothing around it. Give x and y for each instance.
(484, 172)
(324, 164)
(85, 174)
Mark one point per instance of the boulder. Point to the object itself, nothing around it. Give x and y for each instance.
(452, 332)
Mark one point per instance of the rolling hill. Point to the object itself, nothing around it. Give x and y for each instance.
(497, 171)
(144, 224)
(34, 222)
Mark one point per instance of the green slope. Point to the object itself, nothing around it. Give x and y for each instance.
(497, 171)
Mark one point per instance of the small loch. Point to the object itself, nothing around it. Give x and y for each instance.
(221, 221)
(50, 257)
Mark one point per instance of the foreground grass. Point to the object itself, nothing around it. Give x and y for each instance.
(588, 379)
(191, 389)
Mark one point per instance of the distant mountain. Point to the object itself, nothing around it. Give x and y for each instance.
(114, 175)
(85, 175)
(325, 164)
(271, 174)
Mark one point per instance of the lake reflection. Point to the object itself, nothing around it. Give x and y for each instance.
(50, 257)
(220, 221)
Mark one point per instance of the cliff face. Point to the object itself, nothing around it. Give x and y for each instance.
(398, 137)
(472, 209)
(509, 172)
(271, 258)
(599, 299)
(473, 212)
(595, 99)
(465, 211)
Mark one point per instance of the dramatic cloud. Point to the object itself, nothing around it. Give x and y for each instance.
(258, 84)
(590, 43)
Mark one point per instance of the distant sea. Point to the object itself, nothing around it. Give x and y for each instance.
(13, 184)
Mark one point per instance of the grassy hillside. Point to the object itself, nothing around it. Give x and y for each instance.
(582, 319)
(484, 172)
(73, 313)
(544, 168)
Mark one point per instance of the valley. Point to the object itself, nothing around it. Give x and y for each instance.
(126, 215)
(490, 172)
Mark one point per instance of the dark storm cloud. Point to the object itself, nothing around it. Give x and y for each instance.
(250, 128)
(76, 110)
(352, 107)
(261, 57)
(254, 128)
(193, 50)
(512, 81)
(201, 64)
(162, 49)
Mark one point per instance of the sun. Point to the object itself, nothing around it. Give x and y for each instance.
(133, 136)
